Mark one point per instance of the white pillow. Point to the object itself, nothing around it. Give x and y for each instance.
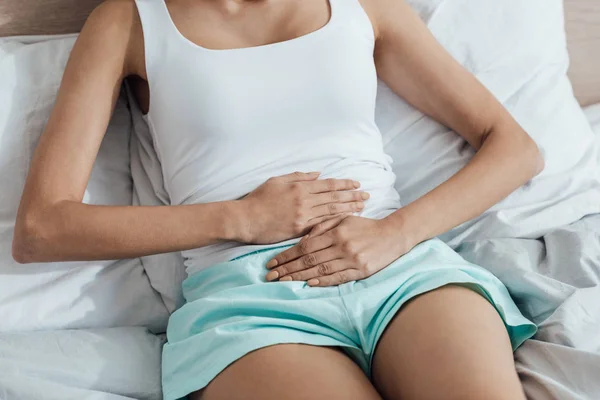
(62, 295)
(518, 50)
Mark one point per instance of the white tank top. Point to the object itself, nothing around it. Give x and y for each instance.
(224, 121)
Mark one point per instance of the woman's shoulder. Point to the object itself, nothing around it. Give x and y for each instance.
(114, 15)
(381, 11)
(117, 22)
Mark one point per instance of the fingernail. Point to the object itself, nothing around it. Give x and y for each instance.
(315, 173)
(271, 276)
(365, 196)
(286, 279)
(313, 282)
(360, 206)
(356, 184)
(272, 263)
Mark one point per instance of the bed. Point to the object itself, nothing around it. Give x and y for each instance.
(101, 336)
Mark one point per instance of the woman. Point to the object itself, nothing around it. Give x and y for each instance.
(367, 305)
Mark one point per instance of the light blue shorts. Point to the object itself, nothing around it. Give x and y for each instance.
(231, 310)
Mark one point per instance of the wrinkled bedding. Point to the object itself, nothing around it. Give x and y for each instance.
(555, 280)
(93, 364)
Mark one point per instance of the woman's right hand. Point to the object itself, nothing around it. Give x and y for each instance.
(288, 206)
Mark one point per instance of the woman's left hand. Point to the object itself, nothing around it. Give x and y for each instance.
(341, 250)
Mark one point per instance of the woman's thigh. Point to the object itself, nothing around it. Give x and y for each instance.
(449, 343)
(291, 372)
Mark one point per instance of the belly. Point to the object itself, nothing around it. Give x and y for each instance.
(375, 179)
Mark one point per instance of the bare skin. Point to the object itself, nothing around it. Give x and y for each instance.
(54, 225)
(291, 372)
(447, 344)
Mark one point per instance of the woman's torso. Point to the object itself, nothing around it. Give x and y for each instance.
(224, 121)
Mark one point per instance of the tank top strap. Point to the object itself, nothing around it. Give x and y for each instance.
(351, 14)
(157, 30)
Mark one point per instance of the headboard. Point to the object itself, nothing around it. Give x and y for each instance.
(37, 17)
(583, 35)
(43, 17)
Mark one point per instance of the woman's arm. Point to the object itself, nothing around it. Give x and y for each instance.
(415, 66)
(418, 69)
(53, 224)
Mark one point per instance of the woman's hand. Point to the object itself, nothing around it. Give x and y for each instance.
(288, 206)
(341, 250)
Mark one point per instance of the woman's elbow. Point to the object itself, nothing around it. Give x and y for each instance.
(27, 241)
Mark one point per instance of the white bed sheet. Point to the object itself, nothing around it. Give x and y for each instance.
(98, 364)
(555, 280)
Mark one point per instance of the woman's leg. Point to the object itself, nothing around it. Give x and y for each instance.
(446, 344)
(291, 372)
